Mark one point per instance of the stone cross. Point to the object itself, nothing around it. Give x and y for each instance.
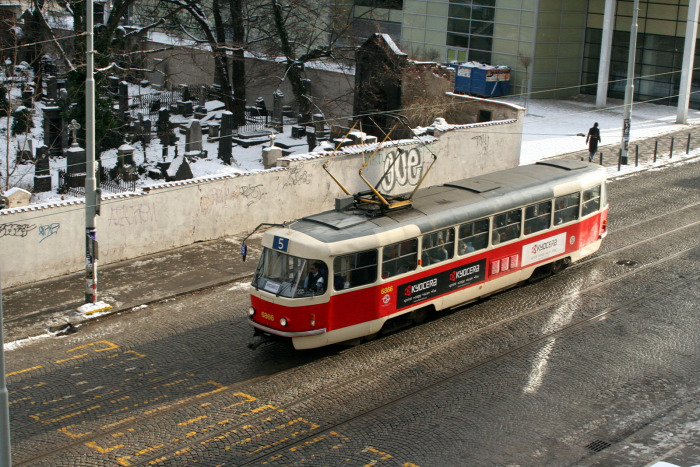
(74, 127)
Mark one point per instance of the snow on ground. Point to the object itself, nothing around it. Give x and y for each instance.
(551, 126)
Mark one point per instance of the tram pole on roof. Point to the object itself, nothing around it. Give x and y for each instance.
(629, 90)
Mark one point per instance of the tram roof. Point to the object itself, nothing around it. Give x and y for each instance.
(452, 203)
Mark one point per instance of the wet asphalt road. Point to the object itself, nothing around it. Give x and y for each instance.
(595, 366)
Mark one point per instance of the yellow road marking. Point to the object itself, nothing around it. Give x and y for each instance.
(74, 357)
(196, 419)
(102, 450)
(23, 371)
(65, 431)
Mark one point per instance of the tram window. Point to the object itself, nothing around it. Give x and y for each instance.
(473, 236)
(591, 200)
(355, 269)
(566, 208)
(438, 247)
(399, 258)
(506, 226)
(537, 217)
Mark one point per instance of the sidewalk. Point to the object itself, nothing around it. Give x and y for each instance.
(32, 309)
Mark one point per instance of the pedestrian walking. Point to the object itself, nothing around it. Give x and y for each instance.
(592, 139)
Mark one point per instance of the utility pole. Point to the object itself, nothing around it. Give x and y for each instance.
(5, 451)
(90, 183)
(629, 90)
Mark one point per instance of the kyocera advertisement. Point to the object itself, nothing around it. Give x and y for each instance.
(543, 249)
(447, 281)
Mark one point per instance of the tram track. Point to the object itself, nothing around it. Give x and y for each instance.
(241, 326)
(300, 441)
(416, 356)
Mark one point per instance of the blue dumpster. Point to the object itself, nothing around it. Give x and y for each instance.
(481, 80)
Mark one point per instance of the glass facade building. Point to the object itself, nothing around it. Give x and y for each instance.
(659, 54)
(553, 47)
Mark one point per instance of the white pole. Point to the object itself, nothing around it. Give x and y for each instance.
(691, 34)
(5, 448)
(629, 90)
(605, 53)
(90, 183)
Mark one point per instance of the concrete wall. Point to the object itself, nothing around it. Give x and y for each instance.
(44, 241)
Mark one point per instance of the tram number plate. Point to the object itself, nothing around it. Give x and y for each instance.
(280, 243)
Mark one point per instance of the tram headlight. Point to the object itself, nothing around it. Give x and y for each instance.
(251, 312)
(283, 321)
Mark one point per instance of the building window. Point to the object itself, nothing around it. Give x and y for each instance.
(470, 28)
(389, 4)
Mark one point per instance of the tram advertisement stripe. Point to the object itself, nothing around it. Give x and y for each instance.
(443, 282)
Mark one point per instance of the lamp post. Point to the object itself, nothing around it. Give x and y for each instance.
(5, 452)
(90, 182)
(629, 90)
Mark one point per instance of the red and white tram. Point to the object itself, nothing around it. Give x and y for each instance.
(452, 244)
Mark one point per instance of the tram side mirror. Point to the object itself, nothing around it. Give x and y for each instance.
(244, 251)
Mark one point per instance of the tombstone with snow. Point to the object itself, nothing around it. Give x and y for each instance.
(42, 170)
(277, 122)
(271, 153)
(226, 138)
(75, 159)
(186, 108)
(213, 134)
(260, 107)
(53, 125)
(142, 129)
(17, 197)
(125, 155)
(123, 97)
(193, 139)
(25, 152)
(51, 88)
(179, 169)
(186, 96)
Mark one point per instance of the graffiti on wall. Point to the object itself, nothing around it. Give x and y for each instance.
(482, 145)
(48, 230)
(403, 167)
(298, 176)
(131, 214)
(252, 193)
(16, 230)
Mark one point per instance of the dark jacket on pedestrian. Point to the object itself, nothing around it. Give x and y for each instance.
(593, 138)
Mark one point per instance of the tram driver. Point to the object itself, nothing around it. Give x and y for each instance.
(315, 280)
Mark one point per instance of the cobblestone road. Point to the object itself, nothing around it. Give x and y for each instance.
(560, 372)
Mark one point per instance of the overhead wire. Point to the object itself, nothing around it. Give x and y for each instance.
(379, 113)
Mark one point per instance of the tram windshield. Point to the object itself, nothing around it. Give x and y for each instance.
(290, 276)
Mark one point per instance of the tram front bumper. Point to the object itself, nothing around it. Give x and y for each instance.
(277, 332)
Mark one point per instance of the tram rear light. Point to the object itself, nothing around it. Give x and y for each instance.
(604, 227)
(313, 319)
(283, 321)
(251, 311)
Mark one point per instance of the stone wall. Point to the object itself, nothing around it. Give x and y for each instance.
(43, 241)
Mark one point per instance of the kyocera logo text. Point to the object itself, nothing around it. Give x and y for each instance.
(411, 289)
(544, 246)
(459, 273)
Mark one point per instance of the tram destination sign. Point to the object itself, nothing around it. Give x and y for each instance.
(444, 282)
